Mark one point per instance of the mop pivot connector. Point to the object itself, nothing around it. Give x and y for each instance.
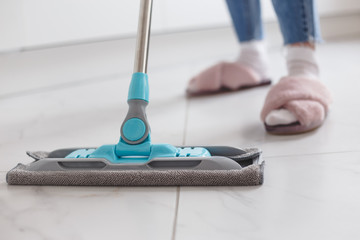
(135, 128)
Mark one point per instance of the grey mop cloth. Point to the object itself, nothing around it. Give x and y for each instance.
(247, 176)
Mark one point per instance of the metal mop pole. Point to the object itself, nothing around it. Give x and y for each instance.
(143, 36)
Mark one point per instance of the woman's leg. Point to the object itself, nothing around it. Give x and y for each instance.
(299, 24)
(246, 18)
(249, 69)
(299, 21)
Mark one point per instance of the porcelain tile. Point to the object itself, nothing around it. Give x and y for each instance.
(303, 197)
(32, 212)
(41, 69)
(76, 96)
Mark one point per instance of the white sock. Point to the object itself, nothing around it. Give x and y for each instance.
(301, 61)
(253, 54)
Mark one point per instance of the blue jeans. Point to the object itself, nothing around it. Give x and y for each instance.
(298, 19)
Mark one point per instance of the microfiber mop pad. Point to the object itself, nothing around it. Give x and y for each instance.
(252, 173)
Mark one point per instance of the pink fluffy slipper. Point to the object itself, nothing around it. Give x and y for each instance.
(224, 76)
(307, 99)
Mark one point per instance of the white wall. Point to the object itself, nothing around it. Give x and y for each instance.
(27, 23)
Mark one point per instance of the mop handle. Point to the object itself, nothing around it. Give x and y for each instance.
(143, 36)
(135, 128)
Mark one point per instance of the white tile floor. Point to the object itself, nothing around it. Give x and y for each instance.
(76, 96)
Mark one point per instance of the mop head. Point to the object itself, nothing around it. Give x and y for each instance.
(249, 173)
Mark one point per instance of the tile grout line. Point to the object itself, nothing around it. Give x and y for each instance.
(61, 86)
(173, 235)
(311, 154)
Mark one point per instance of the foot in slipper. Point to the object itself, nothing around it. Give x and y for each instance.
(299, 102)
(249, 70)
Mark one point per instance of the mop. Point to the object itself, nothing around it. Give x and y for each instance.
(134, 160)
